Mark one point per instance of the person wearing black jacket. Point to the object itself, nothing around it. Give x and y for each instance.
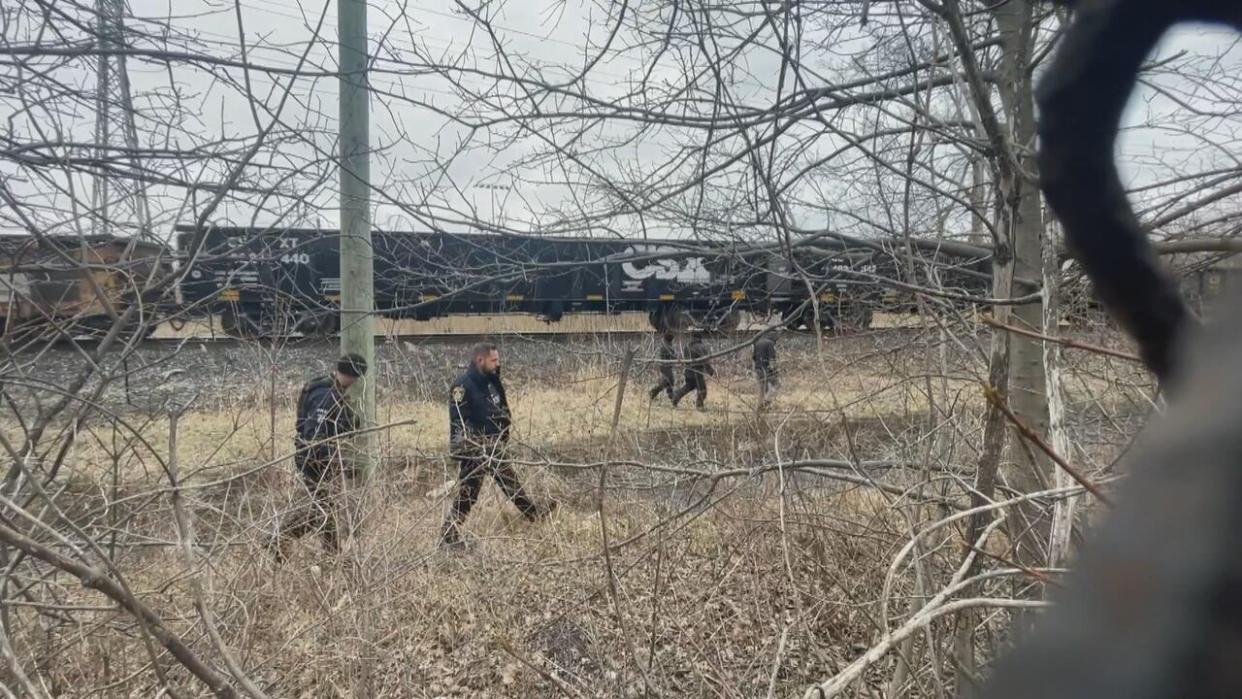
(697, 371)
(764, 356)
(323, 417)
(667, 354)
(479, 429)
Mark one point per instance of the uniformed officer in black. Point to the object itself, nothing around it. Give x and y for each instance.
(479, 428)
(667, 353)
(764, 356)
(323, 418)
(697, 371)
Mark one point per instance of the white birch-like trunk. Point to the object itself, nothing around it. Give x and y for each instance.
(1063, 510)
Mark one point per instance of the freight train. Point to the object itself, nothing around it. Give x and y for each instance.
(273, 282)
(266, 282)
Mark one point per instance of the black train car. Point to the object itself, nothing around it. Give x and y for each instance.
(282, 281)
(857, 279)
(260, 281)
(429, 274)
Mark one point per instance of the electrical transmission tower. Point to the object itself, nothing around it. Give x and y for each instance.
(119, 197)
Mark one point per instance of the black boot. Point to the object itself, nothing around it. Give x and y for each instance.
(451, 538)
(547, 511)
(276, 548)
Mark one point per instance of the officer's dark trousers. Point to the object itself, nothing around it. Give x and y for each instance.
(318, 513)
(472, 473)
(767, 384)
(694, 382)
(666, 384)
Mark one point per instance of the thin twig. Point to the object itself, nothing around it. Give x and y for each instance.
(186, 530)
(556, 681)
(1097, 349)
(613, 592)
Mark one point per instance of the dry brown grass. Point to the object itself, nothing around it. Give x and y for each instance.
(721, 588)
(424, 624)
(577, 408)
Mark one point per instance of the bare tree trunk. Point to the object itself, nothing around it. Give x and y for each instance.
(1063, 510)
(978, 200)
(1026, 471)
(989, 464)
(1016, 368)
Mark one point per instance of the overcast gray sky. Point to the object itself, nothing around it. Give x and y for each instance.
(420, 159)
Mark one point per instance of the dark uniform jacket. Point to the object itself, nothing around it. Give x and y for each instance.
(698, 367)
(764, 356)
(323, 416)
(478, 411)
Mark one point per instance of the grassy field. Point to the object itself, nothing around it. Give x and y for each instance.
(690, 566)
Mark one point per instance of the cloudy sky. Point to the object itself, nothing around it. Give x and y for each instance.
(431, 169)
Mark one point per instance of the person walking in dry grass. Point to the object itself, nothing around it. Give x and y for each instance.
(323, 418)
(480, 424)
(667, 382)
(763, 354)
(697, 371)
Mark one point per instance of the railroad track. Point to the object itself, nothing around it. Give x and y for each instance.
(458, 339)
(445, 338)
(469, 338)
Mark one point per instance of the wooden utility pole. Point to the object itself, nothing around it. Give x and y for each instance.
(357, 261)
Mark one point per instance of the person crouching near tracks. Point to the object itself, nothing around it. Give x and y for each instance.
(667, 353)
(763, 354)
(479, 427)
(697, 371)
(323, 418)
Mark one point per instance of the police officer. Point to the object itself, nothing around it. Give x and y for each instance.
(764, 356)
(323, 417)
(697, 371)
(667, 354)
(479, 428)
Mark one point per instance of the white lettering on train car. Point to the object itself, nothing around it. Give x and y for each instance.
(690, 270)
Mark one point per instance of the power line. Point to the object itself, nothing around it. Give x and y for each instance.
(276, 57)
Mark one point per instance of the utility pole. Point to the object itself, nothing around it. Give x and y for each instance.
(357, 259)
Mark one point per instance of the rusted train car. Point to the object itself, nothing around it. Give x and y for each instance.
(77, 285)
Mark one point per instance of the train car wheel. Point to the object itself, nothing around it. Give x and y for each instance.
(717, 321)
(666, 319)
(241, 323)
(553, 311)
(98, 327)
(857, 318)
(659, 320)
(729, 321)
(827, 319)
(795, 320)
(323, 325)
